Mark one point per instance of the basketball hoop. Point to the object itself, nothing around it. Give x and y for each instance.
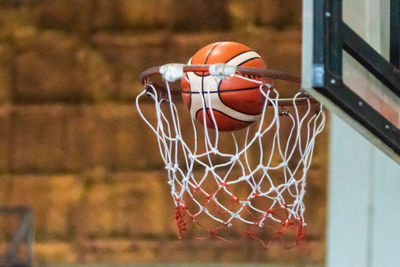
(241, 184)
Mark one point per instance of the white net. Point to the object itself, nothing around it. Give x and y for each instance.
(242, 184)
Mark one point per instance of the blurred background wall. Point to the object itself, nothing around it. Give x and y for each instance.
(73, 147)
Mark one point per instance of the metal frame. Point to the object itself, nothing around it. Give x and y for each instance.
(24, 233)
(331, 35)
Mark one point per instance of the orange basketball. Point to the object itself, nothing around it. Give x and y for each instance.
(232, 103)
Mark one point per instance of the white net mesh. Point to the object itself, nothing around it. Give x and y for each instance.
(232, 185)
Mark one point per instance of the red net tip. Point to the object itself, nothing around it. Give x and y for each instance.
(300, 233)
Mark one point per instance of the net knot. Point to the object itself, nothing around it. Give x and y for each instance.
(224, 184)
(222, 71)
(172, 72)
(235, 215)
(228, 224)
(288, 223)
(245, 203)
(168, 166)
(249, 233)
(213, 233)
(242, 178)
(234, 199)
(210, 196)
(265, 85)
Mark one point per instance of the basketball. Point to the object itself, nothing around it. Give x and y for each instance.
(232, 103)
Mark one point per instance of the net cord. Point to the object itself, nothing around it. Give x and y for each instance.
(184, 183)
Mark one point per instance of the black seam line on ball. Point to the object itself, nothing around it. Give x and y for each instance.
(220, 92)
(247, 60)
(211, 50)
(251, 76)
(202, 117)
(241, 53)
(224, 91)
(202, 78)
(236, 119)
(208, 55)
(190, 88)
(205, 75)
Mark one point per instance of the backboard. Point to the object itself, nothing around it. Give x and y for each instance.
(351, 64)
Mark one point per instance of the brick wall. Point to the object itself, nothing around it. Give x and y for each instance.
(72, 145)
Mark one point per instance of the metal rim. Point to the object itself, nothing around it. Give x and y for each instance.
(264, 73)
(148, 76)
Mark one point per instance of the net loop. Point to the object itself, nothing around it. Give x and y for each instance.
(242, 184)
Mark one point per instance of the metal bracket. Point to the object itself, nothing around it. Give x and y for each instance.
(318, 75)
